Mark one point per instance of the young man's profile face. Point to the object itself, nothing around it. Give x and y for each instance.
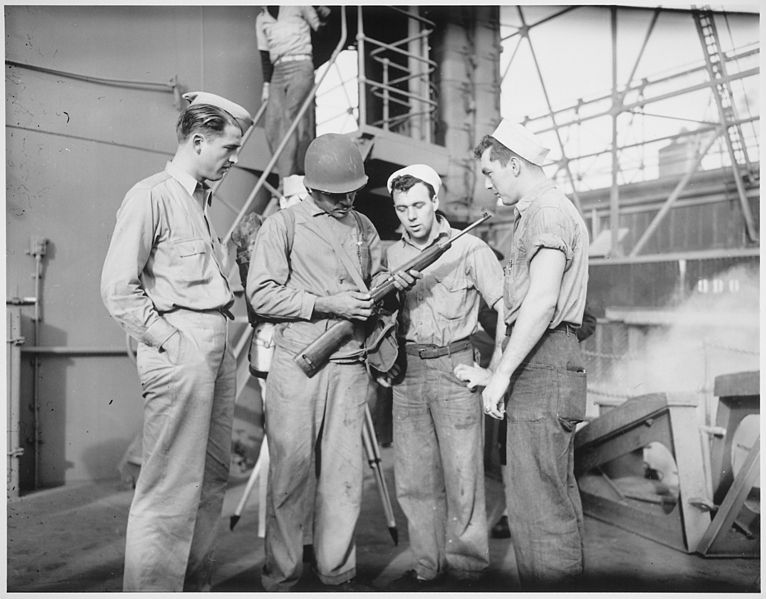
(500, 179)
(218, 153)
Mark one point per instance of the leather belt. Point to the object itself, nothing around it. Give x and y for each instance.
(564, 327)
(293, 58)
(427, 351)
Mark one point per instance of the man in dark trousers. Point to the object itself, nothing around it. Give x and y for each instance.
(438, 445)
(538, 383)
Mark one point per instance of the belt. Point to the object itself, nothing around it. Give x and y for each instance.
(293, 58)
(222, 310)
(564, 327)
(427, 351)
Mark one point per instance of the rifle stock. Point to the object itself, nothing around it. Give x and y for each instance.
(315, 355)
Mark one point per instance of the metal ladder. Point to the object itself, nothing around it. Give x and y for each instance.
(717, 68)
(716, 65)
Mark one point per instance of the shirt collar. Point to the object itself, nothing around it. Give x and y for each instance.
(534, 193)
(442, 227)
(313, 209)
(188, 182)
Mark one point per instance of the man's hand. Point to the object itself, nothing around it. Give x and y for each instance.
(404, 281)
(173, 346)
(351, 305)
(386, 379)
(493, 396)
(265, 92)
(473, 376)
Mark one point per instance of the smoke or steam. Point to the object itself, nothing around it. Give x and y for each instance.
(714, 331)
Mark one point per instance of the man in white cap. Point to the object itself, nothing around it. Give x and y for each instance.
(538, 382)
(438, 448)
(165, 282)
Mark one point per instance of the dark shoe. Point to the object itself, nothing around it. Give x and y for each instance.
(500, 530)
(409, 581)
(350, 586)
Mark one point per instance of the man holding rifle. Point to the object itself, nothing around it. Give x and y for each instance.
(311, 268)
(437, 420)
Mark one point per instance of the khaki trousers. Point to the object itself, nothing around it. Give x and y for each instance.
(188, 409)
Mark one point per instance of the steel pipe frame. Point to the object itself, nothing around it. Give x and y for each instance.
(646, 83)
(619, 106)
(540, 22)
(386, 90)
(746, 213)
(564, 159)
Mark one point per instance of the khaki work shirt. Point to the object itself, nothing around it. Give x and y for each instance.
(545, 218)
(289, 271)
(164, 254)
(443, 306)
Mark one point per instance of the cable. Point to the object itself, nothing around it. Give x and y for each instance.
(151, 85)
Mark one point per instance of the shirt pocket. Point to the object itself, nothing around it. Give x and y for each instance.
(192, 257)
(449, 293)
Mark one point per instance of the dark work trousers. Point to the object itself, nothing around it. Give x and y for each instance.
(290, 86)
(438, 466)
(546, 400)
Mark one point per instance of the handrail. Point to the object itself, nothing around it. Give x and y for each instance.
(387, 90)
(307, 102)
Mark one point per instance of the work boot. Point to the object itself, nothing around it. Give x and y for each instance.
(410, 581)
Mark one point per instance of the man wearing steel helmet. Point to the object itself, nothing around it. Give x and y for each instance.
(298, 278)
(166, 282)
(538, 382)
(438, 448)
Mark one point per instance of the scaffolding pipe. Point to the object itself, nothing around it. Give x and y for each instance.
(564, 159)
(614, 192)
(360, 39)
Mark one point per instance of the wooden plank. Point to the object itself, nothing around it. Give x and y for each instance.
(738, 383)
(734, 500)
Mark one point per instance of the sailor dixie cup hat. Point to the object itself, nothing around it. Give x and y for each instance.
(521, 141)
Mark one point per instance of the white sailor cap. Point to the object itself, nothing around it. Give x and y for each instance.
(240, 114)
(520, 140)
(293, 186)
(419, 171)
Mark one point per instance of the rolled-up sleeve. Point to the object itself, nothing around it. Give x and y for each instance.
(550, 228)
(121, 288)
(267, 280)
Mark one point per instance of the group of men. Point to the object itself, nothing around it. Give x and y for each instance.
(312, 265)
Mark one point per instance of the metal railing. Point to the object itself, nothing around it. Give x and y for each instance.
(401, 87)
